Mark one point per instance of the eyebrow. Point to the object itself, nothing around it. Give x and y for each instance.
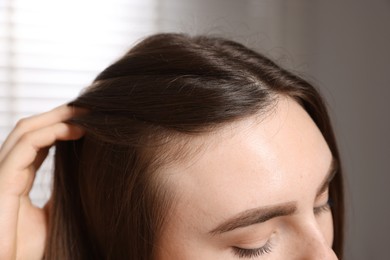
(263, 214)
(255, 216)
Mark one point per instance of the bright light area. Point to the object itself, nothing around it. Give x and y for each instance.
(50, 50)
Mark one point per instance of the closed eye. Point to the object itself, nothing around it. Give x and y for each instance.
(322, 209)
(252, 252)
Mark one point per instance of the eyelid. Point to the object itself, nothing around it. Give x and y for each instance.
(324, 193)
(252, 252)
(247, 252)
(327, 188)
(323, 208)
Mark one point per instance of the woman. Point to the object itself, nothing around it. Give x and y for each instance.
(185, 148)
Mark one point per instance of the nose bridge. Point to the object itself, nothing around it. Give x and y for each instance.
(314, 245)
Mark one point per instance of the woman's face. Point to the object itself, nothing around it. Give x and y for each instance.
(258, 190)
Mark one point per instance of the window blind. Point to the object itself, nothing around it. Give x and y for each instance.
(50, 50)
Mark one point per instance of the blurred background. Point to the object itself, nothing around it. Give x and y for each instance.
(50, 50)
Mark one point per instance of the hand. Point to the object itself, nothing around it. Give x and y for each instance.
(23, 226)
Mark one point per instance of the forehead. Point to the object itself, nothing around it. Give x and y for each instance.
(250, 163)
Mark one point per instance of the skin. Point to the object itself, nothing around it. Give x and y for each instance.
(256, 162)
(22, 225)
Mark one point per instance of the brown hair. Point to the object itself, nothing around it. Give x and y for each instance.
(107, 202)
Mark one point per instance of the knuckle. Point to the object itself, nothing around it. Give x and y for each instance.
(26, 138)
(22, 123)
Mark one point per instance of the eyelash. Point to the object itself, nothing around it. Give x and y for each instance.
(323, 208)
(254, 252)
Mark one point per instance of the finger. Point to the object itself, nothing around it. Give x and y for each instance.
(58, 114)
(15, 169)
(41, 156)
(32, 123)
(29, 144)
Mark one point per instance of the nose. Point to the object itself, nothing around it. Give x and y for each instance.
(317, 250)
(314, 245)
